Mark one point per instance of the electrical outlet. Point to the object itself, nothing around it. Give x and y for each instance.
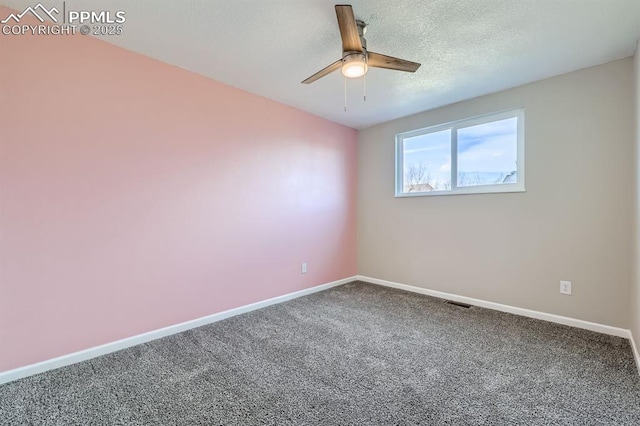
(303, 268)
(565, 287)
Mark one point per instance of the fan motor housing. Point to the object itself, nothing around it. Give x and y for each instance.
(362, 29)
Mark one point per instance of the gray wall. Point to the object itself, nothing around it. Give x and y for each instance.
(574, 222)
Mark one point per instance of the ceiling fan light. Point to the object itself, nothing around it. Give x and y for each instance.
(354, 65)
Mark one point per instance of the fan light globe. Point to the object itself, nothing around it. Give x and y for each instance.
(354, 65)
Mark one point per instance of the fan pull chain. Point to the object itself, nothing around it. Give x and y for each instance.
(345, 93)
(364, 88)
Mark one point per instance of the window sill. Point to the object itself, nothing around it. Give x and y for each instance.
(465, 191)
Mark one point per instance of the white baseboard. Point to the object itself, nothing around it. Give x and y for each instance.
(40, 367)
(600, 328)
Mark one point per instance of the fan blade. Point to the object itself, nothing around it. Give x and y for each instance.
(325, 71)
(389, 62)
(348, 29)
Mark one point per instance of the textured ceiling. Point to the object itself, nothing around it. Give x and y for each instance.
(467, 47)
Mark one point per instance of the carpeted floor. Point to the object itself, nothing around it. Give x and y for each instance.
(357, 354)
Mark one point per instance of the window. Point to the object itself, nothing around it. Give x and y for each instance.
(477, 155)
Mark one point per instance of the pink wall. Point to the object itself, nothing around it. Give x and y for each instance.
(135, 195)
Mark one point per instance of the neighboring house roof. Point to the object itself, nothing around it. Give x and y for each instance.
(511, 177)
(418, 187)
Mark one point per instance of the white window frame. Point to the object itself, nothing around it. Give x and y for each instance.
(454, 126)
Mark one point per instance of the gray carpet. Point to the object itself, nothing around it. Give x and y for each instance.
(358, 354)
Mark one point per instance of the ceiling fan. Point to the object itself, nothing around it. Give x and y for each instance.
(356, 59)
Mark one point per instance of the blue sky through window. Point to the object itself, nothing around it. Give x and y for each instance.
(487, 155)
(431, 151)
